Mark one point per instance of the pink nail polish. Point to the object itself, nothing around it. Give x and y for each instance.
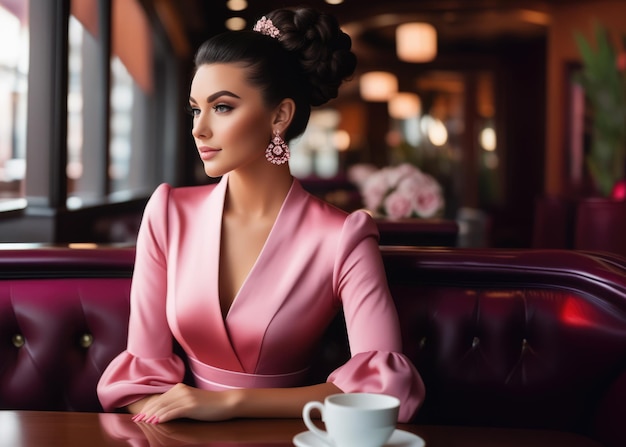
(138, 417)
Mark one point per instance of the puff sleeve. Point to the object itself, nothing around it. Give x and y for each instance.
(148, 365)
(377, 363)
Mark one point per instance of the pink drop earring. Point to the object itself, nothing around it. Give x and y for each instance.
(277, 151)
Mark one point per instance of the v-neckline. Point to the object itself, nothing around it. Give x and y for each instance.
(238, 337)
(256, 262)
(248, 274)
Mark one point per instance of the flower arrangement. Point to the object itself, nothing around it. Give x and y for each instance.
(398, 191)
(603, 78)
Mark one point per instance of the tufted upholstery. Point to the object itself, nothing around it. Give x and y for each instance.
(516, 338)
(63, 316)
(524, 338)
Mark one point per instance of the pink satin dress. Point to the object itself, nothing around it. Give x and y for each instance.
(316, 260)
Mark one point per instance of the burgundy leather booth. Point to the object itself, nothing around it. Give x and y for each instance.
(521, 338)
(63, 316)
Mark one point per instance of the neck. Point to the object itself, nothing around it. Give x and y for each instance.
(257, 195)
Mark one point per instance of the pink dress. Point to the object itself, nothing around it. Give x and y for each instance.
(316, 259)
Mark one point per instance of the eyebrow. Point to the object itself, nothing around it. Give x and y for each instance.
(216, 95)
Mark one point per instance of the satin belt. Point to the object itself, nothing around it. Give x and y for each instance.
(212, 378)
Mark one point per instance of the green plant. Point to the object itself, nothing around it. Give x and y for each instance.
(603, 78)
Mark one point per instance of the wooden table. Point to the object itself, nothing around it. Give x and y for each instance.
(66, 429)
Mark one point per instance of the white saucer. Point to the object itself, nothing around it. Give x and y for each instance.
(399, 438)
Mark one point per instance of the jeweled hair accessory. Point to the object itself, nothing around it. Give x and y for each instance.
(265, 26)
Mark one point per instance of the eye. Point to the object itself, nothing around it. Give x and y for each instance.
(222, 108)
(191, 110)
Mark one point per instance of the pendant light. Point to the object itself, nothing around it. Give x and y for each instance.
(378, 86)
(416, 42)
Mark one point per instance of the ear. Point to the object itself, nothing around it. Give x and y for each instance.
(283, 113)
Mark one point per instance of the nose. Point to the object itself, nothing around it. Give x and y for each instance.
(200, 127)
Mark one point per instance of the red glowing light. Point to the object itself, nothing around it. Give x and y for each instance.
(619, 190)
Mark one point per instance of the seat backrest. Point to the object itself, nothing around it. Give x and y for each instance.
(517, 338)
(63, 317)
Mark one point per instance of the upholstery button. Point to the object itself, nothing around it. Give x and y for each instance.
(86, 340)
(422, 342)
(18, 340)
(475, 342)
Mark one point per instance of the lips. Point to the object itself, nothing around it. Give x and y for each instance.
(207, 153)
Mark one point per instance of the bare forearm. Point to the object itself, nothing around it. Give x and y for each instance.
(185, 401)
(279, 402)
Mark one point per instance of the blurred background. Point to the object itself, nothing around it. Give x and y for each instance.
(482, 95)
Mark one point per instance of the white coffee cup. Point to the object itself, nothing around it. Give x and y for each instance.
(354, 419)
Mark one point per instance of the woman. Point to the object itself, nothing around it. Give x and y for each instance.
(246, 274)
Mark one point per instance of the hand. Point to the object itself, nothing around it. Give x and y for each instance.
(183, 401)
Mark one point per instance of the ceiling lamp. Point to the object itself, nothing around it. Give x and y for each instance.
(235, 23)
(416, 42)
(404, 105)
(236, 5)
(378, 86)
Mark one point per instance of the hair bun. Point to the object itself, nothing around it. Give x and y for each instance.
(322, 48)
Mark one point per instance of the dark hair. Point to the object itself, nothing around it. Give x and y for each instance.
(307, 63)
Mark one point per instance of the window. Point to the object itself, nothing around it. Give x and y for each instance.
(13, 95)
(99, 138)
(75, 137)
(131, 164)
(108, 157)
